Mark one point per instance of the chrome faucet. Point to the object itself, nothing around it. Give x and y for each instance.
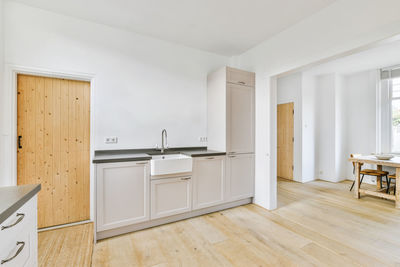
(164, 140)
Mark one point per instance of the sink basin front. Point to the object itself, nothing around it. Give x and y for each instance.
(170, 164)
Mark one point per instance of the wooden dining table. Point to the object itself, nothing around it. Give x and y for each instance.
(379, 192)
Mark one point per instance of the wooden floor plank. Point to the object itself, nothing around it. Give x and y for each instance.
(316, 224)
(69, 246)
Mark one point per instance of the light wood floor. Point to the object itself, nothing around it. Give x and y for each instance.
(69, 246)
(316, 224)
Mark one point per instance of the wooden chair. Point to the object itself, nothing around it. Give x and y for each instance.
(368, 172)
(391, 177)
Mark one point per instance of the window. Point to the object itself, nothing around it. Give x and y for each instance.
(395, 114)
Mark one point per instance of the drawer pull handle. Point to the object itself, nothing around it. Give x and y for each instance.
(16, 254)
(240, 82)
(232, 156)
(210, 158)
(21, 217)
(141, 163)
(186, 178)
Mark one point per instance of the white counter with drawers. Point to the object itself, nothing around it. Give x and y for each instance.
(18, 225)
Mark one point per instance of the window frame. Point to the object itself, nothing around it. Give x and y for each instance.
(391, 98)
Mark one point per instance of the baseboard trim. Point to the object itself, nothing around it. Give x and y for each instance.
(63, 226)
(166, 220)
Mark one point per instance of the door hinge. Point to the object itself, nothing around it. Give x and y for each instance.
(293, 139)
(292, 167)
(293, 111)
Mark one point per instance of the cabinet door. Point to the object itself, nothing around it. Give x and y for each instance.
(240, 77)
(122, 194)
(170, 196)
(240, 119)
(208, 181)
(240, 173)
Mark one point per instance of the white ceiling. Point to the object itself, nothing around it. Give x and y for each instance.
(382, 56)
(226, 27)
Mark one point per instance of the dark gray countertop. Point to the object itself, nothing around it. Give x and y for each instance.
(14, 197)
(108, 156)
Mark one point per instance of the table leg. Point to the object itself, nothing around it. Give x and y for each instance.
(357, 181)
(379, 178)
(397, 188)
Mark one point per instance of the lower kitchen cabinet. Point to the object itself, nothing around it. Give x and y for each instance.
(170, 196)
(240, 176)
(122, 194)
(208, 181)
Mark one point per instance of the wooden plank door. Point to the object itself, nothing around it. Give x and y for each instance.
(285, 140)
(53, 124)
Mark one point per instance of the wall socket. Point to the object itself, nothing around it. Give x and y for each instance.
(111, 140)
(202, 139)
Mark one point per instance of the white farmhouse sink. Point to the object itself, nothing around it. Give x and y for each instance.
(170, 164)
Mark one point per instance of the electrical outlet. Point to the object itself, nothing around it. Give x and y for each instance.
(202, 139)
(111, 140)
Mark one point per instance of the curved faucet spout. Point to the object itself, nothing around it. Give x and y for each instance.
(164, 140)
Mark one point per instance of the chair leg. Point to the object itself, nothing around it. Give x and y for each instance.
(351, 188)
(388, 182)
(354, 182)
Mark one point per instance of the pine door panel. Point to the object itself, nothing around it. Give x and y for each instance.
(54, 125)
(285, 140)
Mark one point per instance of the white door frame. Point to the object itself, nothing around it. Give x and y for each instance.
(272, 109)
(11, 88)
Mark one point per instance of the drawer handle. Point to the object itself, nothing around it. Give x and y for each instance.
(141, 163)
(16, 254)
(21, 217)
(232, 156)
(210, 158)
(241, 82)
(186, 178)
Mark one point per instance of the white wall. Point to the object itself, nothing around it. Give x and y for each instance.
(308, 128)
(342, 26)
(2, 96)
(290, 90)
(341, 138)
(325, 127)
(360, 95)
(142, 85)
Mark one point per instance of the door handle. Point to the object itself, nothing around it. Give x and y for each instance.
(19, 141)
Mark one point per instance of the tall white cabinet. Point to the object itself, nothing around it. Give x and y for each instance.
(231, 127)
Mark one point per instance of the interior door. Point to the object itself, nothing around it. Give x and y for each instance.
(285, 140)
(53, 124)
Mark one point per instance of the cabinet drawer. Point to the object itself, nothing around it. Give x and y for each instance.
(24, 219)
(16, 251)
(240, 77)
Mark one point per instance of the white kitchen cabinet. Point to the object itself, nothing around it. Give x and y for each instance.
(240, 77)
(170, 196)
(240, 176)
(240, 119)
(18, 237)
(122, 194)
(231, 111)
(208, 181)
